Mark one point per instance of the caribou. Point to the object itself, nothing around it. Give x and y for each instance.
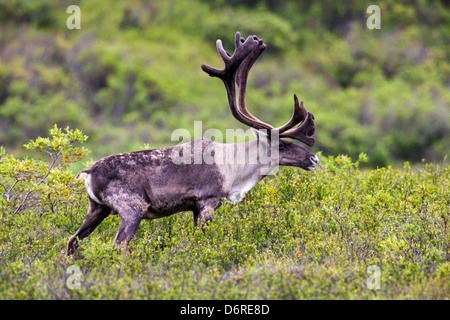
(149, 184)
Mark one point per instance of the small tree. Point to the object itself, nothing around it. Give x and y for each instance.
(26, 183)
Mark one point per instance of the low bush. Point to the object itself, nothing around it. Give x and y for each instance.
(340, 232)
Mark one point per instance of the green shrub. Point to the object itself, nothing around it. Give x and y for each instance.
(42, 185)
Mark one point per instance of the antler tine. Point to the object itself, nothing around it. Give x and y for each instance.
(304, 131)
(232, 62)
(298, 115)
(245, 50)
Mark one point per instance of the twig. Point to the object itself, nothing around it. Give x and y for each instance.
(42, 180)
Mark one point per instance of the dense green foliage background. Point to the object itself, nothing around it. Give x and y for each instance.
(132, 74)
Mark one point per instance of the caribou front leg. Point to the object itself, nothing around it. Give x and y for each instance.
(129, 223)
(203, 210)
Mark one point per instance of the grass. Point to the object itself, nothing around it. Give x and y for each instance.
(298, 235)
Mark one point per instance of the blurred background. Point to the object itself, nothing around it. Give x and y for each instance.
(131, 74)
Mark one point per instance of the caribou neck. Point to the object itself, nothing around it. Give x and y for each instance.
(244, 171)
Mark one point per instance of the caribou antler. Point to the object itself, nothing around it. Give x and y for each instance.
(243, 50)
(237, 68)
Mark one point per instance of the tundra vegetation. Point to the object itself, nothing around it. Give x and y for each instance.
(131, 75)
(296, 235)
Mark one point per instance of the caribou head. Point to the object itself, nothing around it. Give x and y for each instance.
(301, 125)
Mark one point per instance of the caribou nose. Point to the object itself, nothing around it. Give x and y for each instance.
(314, 161)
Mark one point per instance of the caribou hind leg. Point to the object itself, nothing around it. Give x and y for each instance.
(96, 214)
